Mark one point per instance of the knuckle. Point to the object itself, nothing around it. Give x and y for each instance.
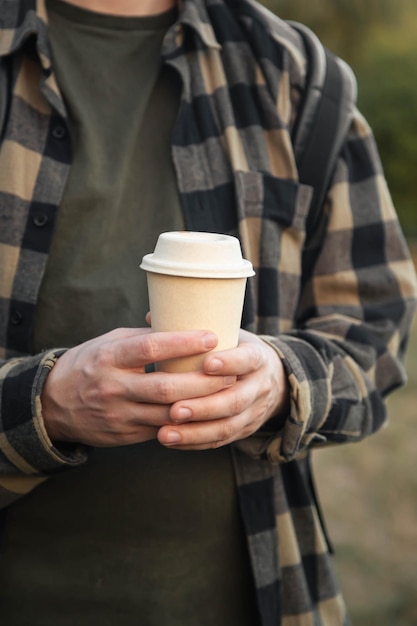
(112, 422)
(247, 431)
(104, 356)
(149, 348)
(166, 391)
(256, 356)
(215, 383)
(108, 388)
(117, 333)
(104, 390)
(124, 438)
(226, 434)
(240, 403)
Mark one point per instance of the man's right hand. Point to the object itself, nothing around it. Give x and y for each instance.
(99, 394)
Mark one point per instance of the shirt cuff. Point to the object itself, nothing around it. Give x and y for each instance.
(284, 438)
(25, 445)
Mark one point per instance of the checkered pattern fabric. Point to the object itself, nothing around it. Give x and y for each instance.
(340, 326)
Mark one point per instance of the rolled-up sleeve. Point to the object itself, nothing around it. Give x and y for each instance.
(27, 455)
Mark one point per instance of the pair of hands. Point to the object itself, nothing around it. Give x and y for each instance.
(99, 394)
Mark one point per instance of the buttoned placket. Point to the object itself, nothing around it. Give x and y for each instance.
(42, 212)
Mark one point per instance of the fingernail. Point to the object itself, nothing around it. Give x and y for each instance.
(184, 413)
(215, 365)
(173, 437)
(229, 381)
(209, 340)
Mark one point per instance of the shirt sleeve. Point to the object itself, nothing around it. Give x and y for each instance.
(27, 455)
(357, 304)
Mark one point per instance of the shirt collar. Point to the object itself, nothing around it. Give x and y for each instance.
(21, 20)
(195, 15)
(192, 14)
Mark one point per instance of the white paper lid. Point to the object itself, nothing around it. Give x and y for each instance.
(199, 255)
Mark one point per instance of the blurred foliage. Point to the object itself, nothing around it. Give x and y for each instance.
(344, 25)
(388, 98)
(378, 39)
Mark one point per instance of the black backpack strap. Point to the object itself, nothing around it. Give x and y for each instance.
(324, 117)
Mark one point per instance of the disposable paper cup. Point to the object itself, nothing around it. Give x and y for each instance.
(196, 281)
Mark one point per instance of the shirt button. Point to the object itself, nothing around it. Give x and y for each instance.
(16, 318)
(40, 220)
(59, 132)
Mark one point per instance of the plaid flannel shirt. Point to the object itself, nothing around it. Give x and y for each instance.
(341, 329)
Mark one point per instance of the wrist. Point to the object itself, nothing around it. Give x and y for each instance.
(282, 397)
(49, 407)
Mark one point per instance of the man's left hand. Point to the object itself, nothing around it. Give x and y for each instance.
(260, 391)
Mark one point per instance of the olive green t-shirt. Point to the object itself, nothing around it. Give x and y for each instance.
(121, 191)
(139, 534)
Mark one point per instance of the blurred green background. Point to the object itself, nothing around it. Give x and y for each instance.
(378, 38)
(369, 490)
